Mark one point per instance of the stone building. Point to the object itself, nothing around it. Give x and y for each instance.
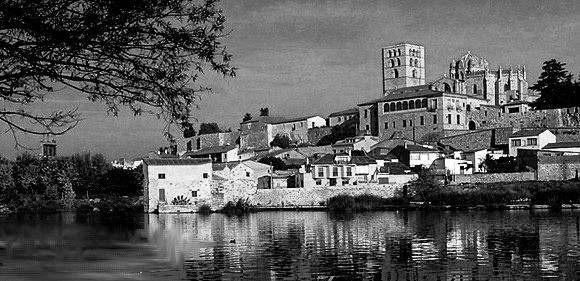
(470, 97)
(340, 117)
(211, 140)
(257, 133)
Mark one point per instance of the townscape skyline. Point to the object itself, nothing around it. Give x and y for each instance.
(311, 58)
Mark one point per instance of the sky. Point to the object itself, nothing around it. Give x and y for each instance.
(309, 57)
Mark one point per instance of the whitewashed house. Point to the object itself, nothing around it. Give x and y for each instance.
(167, 179)
(530, 139)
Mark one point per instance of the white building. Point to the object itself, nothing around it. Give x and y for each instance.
(166, 179)
(530, 139)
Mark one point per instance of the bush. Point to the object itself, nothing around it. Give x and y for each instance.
(341, 203)
(238, 208)
(204, 209)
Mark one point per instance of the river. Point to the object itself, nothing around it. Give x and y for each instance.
(390, 245)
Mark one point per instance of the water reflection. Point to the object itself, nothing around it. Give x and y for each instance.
(293, 246)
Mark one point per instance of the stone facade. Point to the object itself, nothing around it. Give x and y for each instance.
(256, 134)
(558, 167)
(497, 177)
(166, 179)
(319, 195)
(340, 117)
(368, 115)
(403, 66)
(211, 140)
(315, 134)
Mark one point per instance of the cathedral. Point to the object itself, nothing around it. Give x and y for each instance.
(470, 96)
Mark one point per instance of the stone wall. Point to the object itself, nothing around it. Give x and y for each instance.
(254, 135)
(314, 196)
(558, 167)
(495, 177)
(315, 134)
(211, 140)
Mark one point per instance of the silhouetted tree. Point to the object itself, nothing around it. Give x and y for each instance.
(556, 87)
(247, 117)
(145, 55)
(189, 131)
(209, 128)
(276, 163)
(264, 111)
(281, 141)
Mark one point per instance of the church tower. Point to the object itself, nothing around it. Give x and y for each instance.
(48, 146)
(403, 66)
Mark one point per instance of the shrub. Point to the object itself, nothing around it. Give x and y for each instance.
(238, 208)
(204, 209)
(341, 203)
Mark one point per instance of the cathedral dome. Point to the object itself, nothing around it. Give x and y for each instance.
(472, 63)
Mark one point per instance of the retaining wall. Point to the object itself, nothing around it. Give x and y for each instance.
(495, 177)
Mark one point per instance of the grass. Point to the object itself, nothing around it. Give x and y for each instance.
(364, 202)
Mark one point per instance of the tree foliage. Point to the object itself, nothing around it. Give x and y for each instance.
(247, 117)
(340, 132)
(145, 55)
(426, 185)
(500, 165)
(556, 86)
(275, 162)
(264, 111)
(209, 128)
(281, 141)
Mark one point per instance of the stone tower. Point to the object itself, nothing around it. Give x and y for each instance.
(403, 66)
(48, 146)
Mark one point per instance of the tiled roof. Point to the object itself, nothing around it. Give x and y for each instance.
(221, 166)
(407, 93)
(277, 119)
(210, 150)
(562, 145)
(527, 133)
(419, 148)
(395, 168)
(356, 160)
(344, 112)
(176, 161)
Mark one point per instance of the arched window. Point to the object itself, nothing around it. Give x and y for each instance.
(386, 107)
(418, 104)
(412, 105)
(398, 52)
(390, 53)
(424, 103)
(393, 106)
(446, 87)
(415, 73)
(411, 62)
(405, 105)
(398, 62)
(462, 76)
(391, 63)
(475, 89)
(506, 87)
(416, 62)
(399, 106)
(468, 107)
(484, 88)
(395, 73)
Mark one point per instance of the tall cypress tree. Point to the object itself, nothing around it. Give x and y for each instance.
(556, 87)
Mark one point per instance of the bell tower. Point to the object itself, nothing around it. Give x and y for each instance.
(403, 66)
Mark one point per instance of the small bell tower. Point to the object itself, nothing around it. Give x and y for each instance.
(48, 145)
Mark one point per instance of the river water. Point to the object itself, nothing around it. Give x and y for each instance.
(433, 245)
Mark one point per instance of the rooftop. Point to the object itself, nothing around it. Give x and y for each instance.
(572, 144)
(407, 93)
(277, 119)
(527, 133)
(211, 150)
(395, 168)
(344, 112)
(175, 161)
(356, 160)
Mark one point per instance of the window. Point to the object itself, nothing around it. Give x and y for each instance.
(422, 120)
(386, 125)
(194, 193)
(448, 118)
(391, 63)
(348, 171)
(474, 89)
(411, 105)
(339, 119)
(514, 110)
(293, 127)
(468, 108)
(410, 123)
(320, 172)
(386, 107)
(394, 124)
(405, 105)
(161, 195)
(318, 182)
(366, 113)
(302, 124)
(395, 73)
(398, 61)
(424, 103)
(516, 142)
(458, 119)
(433, 104)
(393, 106)
(205, 175)
(404, 123)
(418, 104)
(345, 182)
(367, 127)
(161, 176)
(248, 174)
(335, 171)
(414, 73)
(399, 106)
(485, 113)
(434, 119)
(532, 141)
